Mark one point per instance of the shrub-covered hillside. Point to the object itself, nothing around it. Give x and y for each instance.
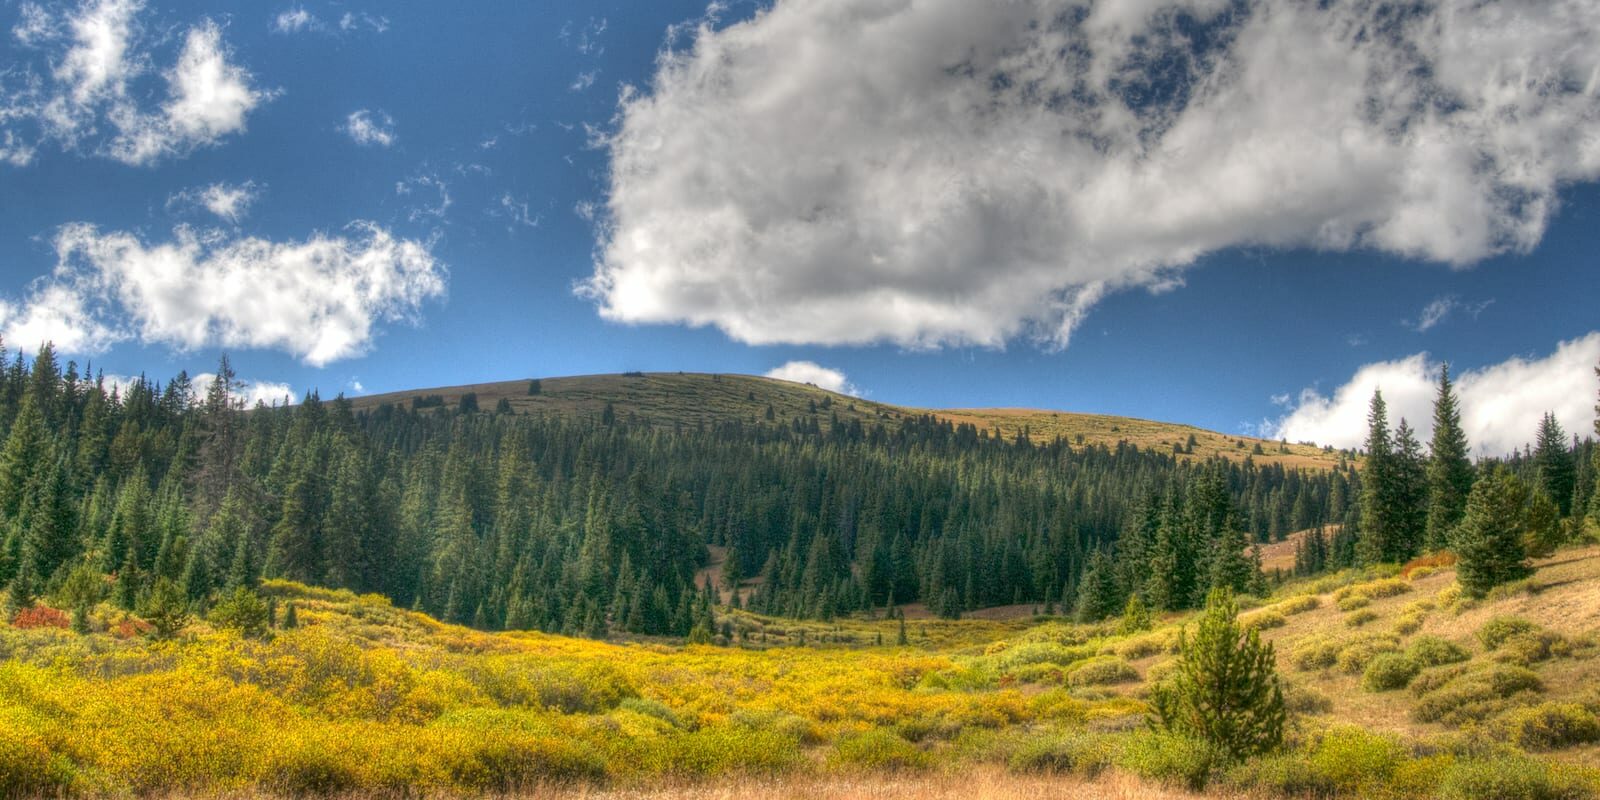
(1431, 695)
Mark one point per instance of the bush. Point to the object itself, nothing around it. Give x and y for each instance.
(1389, 671)
(1430, 679)
(1298, 605)
(1511, 778)
(1353, 602)
(1475, 695)
(1225, 688)
(27, 768)
(1263, 619)
(1356, 760)
(1143, 646)
(877, 749)
(1496, 631)
(1550, 726)
(1080, 753)
(1432, 651)
(1306, 700)
(1168, 757)
(1360, 618)
(40, 617)
(1531, 647)
(1354, 657)
(1315, 651)
(1100, 671)
(1042, 653)
(242, 611)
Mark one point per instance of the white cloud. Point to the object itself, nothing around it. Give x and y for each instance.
(93, 93)
(368, 127)
(423, 210)
(948, 172)
(295, 20)
(228, 201)
(584, 80)
(320, 299)
(815, 374)
(351, 21)
(1501, 404)
(1441, 308)
(251, 392)
(516, 212)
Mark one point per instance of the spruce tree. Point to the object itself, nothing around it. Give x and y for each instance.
(1553, 463)
(1098, 595)
(166, 609)
(1225, 689)
(1488, 542)
(1449, 470)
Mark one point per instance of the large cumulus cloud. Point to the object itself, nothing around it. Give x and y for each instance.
(947, 172)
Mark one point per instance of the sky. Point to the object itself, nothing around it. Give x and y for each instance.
(1240, 215)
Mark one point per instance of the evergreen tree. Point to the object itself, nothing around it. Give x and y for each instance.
(1098, 595)
(1488, 543)
(1135, 616)
(166, 609)
(1449, 470)
(1553, 463)
(1225, 689)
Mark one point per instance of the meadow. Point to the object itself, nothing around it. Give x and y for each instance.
(1399, 687)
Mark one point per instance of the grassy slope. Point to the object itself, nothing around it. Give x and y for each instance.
(692, 398)
(365, 696)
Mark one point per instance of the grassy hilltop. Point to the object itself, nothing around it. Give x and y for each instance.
(1399, 687)
(677, 398)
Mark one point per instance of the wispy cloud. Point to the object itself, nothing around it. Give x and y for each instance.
(367, 127)
(1441, 308)
(229, 202)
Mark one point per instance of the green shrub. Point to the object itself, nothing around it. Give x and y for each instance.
(1356, 760)
(1354, 602)
(1432, 651)
(1282, 775)
(722, 750)
(1306, 700)
(1044, 674)
(1101, 671)
(877, 749)
(1407, 624)
(27, 768)
(1075, 752)
(1315, 651)
(1263, 619)
(1169, 758)
(1042, 653)
(1360, 618)
(1142, 646)
(1389, 671)
(1550, 726)
(1433, 678)
(1511, 778)
(1531, 647)
(1298, 605)
(652, 708)
(1496, 631)
(1225, 688)
(1475, 695)
(1354, 657)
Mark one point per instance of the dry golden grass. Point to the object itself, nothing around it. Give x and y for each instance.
(984, 783)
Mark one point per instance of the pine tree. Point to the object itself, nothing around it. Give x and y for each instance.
(1449, 470)
(1225, 689)
(1488, 543)
(165, 609)
(1553, 463)
(1098, 595)
(1135, 616)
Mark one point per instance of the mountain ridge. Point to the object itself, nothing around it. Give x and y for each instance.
(690, 398)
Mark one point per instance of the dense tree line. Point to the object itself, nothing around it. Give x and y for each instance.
(592, 526)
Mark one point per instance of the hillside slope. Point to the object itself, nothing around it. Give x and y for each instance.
(362, 697)
(678, 398)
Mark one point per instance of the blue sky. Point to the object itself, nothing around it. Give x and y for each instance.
(1203, 220)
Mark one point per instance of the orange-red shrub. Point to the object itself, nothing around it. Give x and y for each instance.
(40, 617)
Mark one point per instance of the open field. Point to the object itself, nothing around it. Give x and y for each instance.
(691, 399)
(1400, 689)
